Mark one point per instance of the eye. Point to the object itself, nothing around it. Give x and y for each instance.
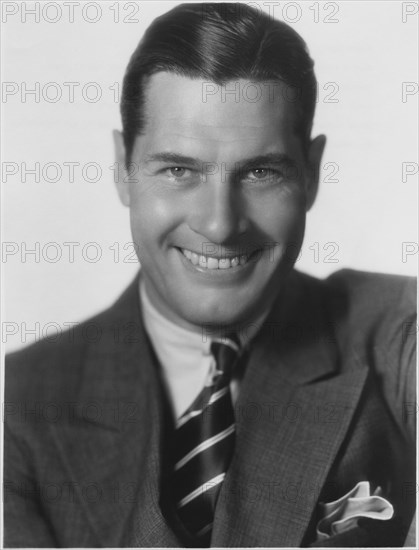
(180, 175)
(260, 173)
(263, 174)
(177, 171)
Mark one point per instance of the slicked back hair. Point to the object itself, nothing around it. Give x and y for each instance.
(219, 42)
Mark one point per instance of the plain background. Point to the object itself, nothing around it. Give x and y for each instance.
(364, 212)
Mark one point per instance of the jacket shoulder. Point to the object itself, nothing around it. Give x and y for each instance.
(375, 306)
(376, 291)
(55, 365)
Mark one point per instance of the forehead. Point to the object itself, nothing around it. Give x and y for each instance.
(196, 113)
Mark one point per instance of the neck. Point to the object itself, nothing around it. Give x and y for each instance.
(244, 328)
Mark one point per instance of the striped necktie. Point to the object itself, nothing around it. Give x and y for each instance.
(204, 444)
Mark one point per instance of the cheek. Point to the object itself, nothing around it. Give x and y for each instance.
(282, 216)
(285, 229)
(153, 215)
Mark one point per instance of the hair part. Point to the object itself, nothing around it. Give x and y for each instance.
(219, 42)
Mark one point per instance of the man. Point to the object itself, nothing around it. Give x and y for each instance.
(228, 400)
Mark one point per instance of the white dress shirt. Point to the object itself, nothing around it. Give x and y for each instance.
(185, 356)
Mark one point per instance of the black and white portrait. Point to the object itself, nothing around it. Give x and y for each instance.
(209, 253)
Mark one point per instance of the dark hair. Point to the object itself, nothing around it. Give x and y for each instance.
(218, 42)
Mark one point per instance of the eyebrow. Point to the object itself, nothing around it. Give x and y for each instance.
(173, 158)
(260, 160)
(271, 159)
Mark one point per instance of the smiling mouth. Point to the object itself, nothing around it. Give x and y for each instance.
(209, 262)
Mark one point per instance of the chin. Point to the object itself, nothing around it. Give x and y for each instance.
(218, 313)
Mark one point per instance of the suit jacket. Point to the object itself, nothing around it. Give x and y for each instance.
(327, 400)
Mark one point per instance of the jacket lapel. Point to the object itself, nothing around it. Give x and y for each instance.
(294, 410)
(118, 452)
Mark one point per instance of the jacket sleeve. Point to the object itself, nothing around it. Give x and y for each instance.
(381, 329)
(25, 523)
(394, 355)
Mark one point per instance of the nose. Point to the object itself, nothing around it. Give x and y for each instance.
(219, 211)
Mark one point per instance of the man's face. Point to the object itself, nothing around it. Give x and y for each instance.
(218, 197)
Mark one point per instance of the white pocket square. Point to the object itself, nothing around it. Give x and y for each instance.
(343, 514)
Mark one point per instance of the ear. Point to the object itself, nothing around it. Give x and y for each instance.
(120, 175)
(314, 157)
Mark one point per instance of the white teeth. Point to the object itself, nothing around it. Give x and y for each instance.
(202, 261)
(212, 263)
(224, 263)
(209, 262)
